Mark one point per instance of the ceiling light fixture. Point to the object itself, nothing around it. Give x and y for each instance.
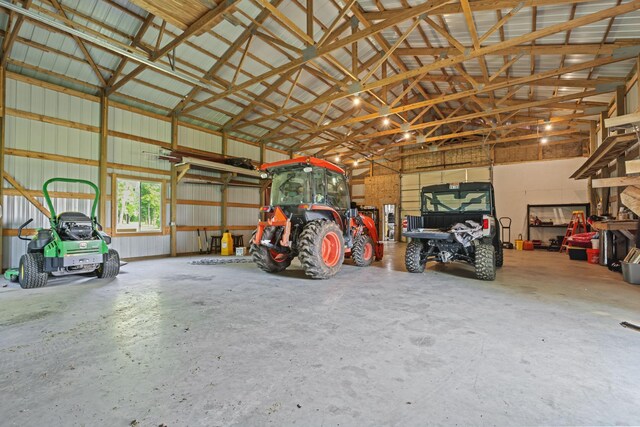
(355, 162)
(407, 135)
(548, 127)
(337, 158)
(356, 101)
(544, 140)
(386, 121)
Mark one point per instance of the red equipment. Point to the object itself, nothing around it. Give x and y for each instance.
(310, 216)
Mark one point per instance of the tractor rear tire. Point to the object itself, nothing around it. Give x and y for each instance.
(363, 251)
(413, 257)
(321, 249)
(268, 259)
(485, 262)
(499, 255)
(111, 267)
(31, 273)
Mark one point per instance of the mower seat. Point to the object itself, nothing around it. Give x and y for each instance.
(73, 217)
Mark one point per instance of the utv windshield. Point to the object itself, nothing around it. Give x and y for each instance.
(455, 201)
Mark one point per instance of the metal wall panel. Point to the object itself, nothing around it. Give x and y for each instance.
(141, 246)
(140, 125)
(241, 149)
(134, 153)
(357, 190)
(35, 99)
(211, 193)
(192, 138)
(243, 195)
(274, 156)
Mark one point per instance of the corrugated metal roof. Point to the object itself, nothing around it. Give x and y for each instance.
(199, 53)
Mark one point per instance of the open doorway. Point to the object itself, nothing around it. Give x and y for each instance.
(389, 223)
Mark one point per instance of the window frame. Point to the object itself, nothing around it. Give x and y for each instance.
(114, 206)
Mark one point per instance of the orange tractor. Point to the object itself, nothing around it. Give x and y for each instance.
(310, 216)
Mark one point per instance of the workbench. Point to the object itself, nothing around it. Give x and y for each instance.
(617, 227)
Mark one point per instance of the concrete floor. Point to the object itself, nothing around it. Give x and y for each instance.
(177, 344)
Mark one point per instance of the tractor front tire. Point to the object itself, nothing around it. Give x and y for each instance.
(499, 255)
(31, 273)
(485, 261)
(413, 257)
(268, 259)
(321, 249)
(111, 267)
(363, 252)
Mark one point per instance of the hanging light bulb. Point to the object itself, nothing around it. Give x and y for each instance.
(356, 101)
(544, 140)
(386, 121)
(407, 135)
(355, 162)
(548, 127)
(337, 158)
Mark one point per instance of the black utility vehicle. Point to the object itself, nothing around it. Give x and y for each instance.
(458, 223)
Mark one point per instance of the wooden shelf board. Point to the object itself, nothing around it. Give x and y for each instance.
(609, 150)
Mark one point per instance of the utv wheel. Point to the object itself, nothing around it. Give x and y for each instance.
(267, 259)
(111, 267)
(363, 251)
(485, 262)
(321, 249)
(413, 257)
(31, 273)
(499, 255)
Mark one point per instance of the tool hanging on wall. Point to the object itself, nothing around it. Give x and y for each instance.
(206, 241)
(199, 241)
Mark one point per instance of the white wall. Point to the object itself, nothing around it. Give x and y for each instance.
(535, 183)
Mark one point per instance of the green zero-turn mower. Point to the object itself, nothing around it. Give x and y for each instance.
(73, 244)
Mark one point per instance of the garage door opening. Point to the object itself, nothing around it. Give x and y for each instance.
(389, 231)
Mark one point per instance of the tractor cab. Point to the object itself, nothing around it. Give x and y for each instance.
(310, 216)
(310, 191)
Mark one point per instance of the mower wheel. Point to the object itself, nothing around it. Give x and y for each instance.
(31, 273)
(111, 267)
(267, 259)
(363, 251)
(413, 257)
(485, 262)
(321, 249)
(499, 255)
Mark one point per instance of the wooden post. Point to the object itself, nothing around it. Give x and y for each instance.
(173, 215)
(604, 173)
(263, 157)
(621, 169)
(310, 18)
(2, 132)
(593, 144)
(223, 201)
(102, 161)
(638, 80)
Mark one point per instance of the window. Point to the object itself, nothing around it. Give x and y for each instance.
(337, 191)
(457, 201)
(139, 206)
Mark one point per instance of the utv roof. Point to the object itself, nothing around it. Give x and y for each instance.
(464, 186)
(309, 161)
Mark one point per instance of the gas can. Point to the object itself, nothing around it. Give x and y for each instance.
(519, 243)
(226, 244)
